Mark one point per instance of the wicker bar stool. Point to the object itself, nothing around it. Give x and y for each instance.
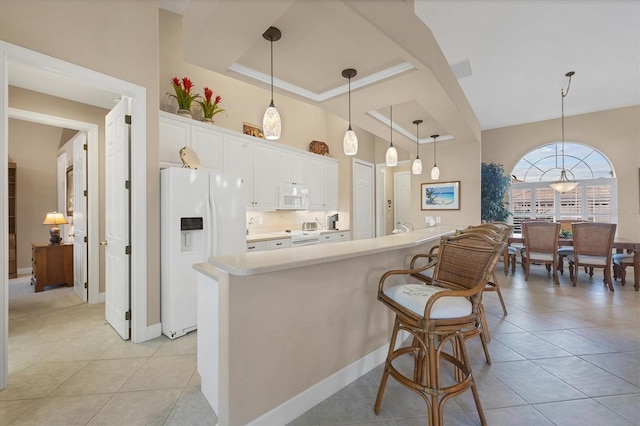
(437, 316)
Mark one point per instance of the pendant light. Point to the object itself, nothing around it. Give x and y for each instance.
(564, 184)
(271, 124)
(350, 141)
(416, 167)
(435, 171)
(392, 153)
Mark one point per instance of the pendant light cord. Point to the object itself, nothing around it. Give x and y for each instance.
(417, 139)
(564, 95)
(390, 124)
(350, 103)
(272, 71)
(434, 153)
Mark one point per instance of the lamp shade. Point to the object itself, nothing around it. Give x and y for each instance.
(564, 184)
(416, 167)
(392, 156)
(435, 173)
(271, 124)
(55, 218)
(350, 142)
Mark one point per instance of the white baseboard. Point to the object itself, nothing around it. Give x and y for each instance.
(25, 271)
(317, 393)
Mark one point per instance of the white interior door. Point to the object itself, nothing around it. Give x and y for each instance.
(116, 245)
(80, 216)
(402, 198)
(363, 213)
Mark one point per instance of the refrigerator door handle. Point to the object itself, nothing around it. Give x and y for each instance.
(213, 224)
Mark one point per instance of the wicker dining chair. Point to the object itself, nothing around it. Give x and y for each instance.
(541, 247)
(592, 246)
(437, 315)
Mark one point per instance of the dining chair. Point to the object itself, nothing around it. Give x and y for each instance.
(541, 247)
(565, 251)
(436, 316)
(620, 263)
(592, 246)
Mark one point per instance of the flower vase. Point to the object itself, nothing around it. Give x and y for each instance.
(184, 112)
(208, 120)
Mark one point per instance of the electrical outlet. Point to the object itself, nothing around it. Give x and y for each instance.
(426, 220)
(437, 219)
(260, 220)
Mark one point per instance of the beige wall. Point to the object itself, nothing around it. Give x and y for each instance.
(50, 105)
(615, 133)
(118, 38)
(34, 149)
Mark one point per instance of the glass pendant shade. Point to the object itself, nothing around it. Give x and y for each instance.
(564, 184)
(435, 173)
(416, 167)
(392, 156)
(350, 142)
(271, 124)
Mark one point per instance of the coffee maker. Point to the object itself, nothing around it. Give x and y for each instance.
(332, 221)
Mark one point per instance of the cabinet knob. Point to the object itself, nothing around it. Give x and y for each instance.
(103, 243)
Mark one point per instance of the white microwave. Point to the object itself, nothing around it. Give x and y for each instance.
(293, 197)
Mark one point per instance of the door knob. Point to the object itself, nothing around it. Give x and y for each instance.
(103, 243)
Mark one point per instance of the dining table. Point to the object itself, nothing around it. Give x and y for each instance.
(621, 244)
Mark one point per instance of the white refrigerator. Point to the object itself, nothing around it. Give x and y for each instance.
(202, 215)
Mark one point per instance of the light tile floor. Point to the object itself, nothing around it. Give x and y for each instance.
(562, 356)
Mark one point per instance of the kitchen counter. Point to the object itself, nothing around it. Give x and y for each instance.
(280, 331)
(269, 236)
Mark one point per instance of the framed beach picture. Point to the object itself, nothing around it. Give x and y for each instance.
(440, 196)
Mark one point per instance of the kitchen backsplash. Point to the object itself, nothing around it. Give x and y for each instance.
(265, 222)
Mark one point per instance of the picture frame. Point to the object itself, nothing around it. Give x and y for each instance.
(252, 130)
(70, 191)
(440, 196)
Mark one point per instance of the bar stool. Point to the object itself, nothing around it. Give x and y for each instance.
(436, 316)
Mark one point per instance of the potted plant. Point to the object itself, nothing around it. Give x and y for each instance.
(493, 187)
(183, 95)
(209, 105)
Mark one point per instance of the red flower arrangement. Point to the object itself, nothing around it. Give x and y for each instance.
(183, 92)
(209, 104)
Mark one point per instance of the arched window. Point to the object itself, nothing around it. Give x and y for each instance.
(594, 199)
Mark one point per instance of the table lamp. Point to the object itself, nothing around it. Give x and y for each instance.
(55, 219)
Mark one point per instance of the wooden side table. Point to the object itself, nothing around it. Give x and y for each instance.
(52, 265)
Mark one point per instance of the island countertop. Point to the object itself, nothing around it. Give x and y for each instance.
(265, 317)
(247, 264)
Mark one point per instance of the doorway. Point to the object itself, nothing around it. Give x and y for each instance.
(140, 331)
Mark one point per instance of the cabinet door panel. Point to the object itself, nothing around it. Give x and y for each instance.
(238, 161)
(265, 178)
(207, 143)
(331, 185)
(174, 135)
(315, 184)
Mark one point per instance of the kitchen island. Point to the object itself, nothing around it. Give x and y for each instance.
(281, 330)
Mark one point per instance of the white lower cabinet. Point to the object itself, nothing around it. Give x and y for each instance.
(334, 237)
(256, 246)
(278, 244)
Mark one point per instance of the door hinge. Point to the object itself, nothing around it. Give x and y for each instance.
(85, 192)
(127, 184)
(86, 285)
(127, 250)
(86, 239)
(127, 315)
(127, 119)
(84, 146)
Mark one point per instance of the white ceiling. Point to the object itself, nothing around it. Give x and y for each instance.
(520, 51)
(516, 53)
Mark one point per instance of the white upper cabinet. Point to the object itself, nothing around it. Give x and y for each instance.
(177, 132)
(292, 167)
(322, 180)
(262, 165)
(256, 163)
